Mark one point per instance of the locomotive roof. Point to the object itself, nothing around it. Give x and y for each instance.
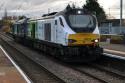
(21, 21)
(54, 14)
(64, 12)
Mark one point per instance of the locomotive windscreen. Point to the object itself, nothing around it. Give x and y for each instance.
(79, 21)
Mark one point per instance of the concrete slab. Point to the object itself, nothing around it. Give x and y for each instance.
(117, 49)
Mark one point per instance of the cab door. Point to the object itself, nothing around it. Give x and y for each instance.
(33, 30)
(55, 30)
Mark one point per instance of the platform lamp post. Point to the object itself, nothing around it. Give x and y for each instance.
(1, 6)
(121, 12)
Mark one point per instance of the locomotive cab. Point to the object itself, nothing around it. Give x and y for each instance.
(84, 26)
(84, 41)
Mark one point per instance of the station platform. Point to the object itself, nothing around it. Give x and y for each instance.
(8, 72)
(118, 49)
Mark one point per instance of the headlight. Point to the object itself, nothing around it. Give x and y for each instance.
(96, 40)
(79, 12)
(71, 40)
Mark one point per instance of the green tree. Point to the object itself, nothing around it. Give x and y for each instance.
(21, 17)
(73, 6)
(93, 6)
(68, 7)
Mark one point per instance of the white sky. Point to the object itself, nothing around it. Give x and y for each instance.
(39, 7)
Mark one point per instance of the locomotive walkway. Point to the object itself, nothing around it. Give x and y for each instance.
(9, 73)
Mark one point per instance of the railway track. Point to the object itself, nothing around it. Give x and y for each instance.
(106, 76)
(101, 72)
(67, 78)
(34, 71)
(108, 69)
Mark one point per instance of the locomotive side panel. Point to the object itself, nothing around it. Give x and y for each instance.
(33, 26)
(29, 29)
(60, 32)
(53, 31)
(40, 29)
(36, 30)
(15, 29)
(32, 29)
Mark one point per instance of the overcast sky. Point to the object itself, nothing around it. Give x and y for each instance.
(38, 7)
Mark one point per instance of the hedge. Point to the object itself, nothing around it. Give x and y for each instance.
(115, 39)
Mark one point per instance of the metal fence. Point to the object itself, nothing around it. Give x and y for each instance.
(112, 30)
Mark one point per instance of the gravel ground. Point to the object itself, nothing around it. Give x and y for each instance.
(102, 74)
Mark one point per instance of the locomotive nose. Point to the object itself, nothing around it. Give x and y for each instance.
(83, 39)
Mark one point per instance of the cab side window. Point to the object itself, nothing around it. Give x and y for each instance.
(61, 22)
(55, 22)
